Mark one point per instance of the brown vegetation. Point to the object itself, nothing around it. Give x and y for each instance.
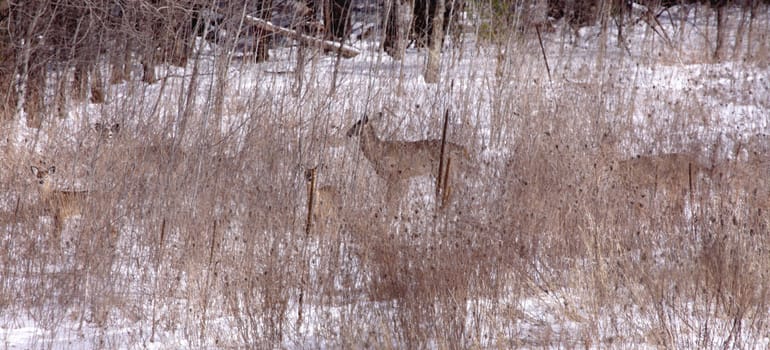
(665, 181)
(60, 204)
(397, 162)
(194, 225)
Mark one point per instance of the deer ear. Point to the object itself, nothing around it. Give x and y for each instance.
(354, 129)
(97, 127)
(310, 173)
(52, 169)
(35, 170)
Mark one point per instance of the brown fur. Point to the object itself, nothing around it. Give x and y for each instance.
(745, 182)
(106, 132)
(398, 161)
(670, 179)
(326, 211)
(61, 204)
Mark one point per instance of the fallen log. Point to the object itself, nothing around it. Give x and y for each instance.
(333, 46)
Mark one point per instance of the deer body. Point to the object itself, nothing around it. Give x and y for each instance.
(61, 204)
(326, 211)
(673, 175)
(396, 162)
(670, 170)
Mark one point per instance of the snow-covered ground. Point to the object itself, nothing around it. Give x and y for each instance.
(671, 96)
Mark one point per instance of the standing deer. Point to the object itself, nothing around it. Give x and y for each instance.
(665, 179)
(323, 207)
(397, 162)
(61, 204)
(671, 175)
(744, 180)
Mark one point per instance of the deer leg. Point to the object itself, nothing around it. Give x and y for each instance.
(393, 199)
(57, 228)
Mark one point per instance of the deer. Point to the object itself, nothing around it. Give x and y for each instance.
(323, 206)
(61, 204)
(743, 180)
(396, 162)
(673, 175)
(326, 210)
(158, 153)
(755, 149)
(105, 131)
(643, 180)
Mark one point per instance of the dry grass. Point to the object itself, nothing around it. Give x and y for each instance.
(558, 239)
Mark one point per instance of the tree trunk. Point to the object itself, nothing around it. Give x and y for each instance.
(148, 68)
(337, 19)
(80, 82)
(422, 22)
(8, 96)
(432, 70)
(424, 14)
(60, 95)
(719, 50)
(262, 52)
(97, 85)
(120, 61)
(399, 15)
(35, 92)
(741, 31)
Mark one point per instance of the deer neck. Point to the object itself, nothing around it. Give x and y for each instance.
(46, 191)
(371, 145)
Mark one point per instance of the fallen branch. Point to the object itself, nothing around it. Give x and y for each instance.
(344, 50)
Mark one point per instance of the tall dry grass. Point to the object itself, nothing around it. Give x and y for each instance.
(558, 238)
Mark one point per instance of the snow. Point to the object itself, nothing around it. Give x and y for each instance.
(734, 91)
